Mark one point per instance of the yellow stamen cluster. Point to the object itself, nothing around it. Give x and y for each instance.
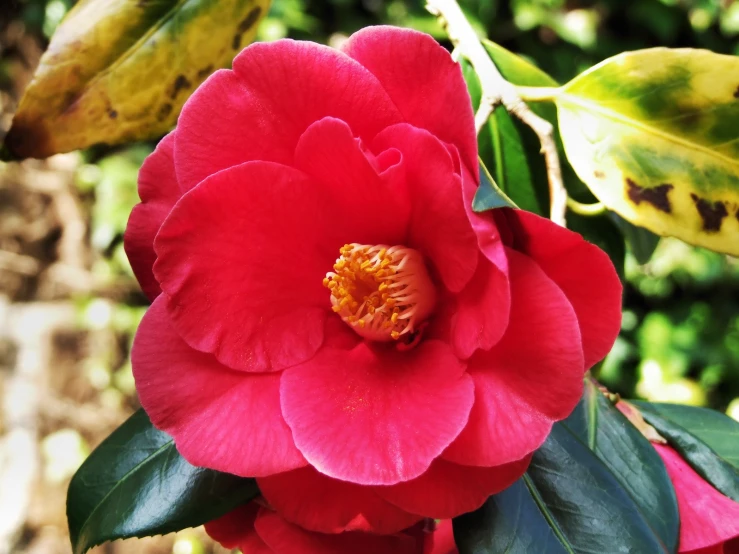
(382, 291)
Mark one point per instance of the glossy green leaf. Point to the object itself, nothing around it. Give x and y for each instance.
(512, 152)
(642, 243)
(135, 484)
(120, 71)
(510, 522)
(653, 133)
(603, 232)
(567, 502)
(507, 147)
(631, 458)
(706, 439)
(489, 195)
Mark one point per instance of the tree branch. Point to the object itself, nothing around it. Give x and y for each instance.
(496, 90)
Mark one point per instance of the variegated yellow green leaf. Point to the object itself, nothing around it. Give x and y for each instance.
(120, 71)
(655, 135)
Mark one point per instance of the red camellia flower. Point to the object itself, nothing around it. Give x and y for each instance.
(258, 530)
(709, 521)
(328, 314)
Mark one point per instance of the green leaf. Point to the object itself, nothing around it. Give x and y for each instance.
(653, 134)
(120, 71)
(135, 484)
(603, 232)
(631, 458)
(509, 148)
(488, 195)
(510, 522)
(568, 501)
(642, 243)
(707, 440)
(512, 151)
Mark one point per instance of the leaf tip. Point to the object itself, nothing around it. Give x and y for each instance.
(26, 139)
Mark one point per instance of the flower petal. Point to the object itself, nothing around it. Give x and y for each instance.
(488, 235)
(319, 503)
(259, 110)
(441, 539)
(285, 538)
(242, 258)
(159, 191)
(422, 80)
(482, 311)
(582, 270)
(530, 379)
(731, 547)
(236, 530)
(219, 418)
(376, 415)
(376, 207)
(707, 517)
(447, 489)
(439, 227)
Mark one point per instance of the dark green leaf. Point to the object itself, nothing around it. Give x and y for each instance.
(707, 440)
(642, 242)
(509, 148)
(570, 498)
(488, 195)
(135, 484)
(518, 523)
(631, 458)
(602, 232)
(512, 152)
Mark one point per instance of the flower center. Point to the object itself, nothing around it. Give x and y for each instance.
(383, 292)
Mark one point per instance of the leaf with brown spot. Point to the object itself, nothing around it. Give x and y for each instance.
(655, 136)
(121, 71)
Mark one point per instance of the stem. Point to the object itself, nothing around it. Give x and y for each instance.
(586, 209)
(496, 90)
(538, 94)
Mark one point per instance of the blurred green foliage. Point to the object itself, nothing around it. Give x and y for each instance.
(680, 338)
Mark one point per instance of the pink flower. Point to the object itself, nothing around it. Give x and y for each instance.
(329, 315)
(709, 521)
(258, 530)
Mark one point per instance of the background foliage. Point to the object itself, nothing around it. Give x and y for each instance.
(680, 333)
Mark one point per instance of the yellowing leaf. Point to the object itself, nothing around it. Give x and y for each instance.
(118, 71)
(655, 135)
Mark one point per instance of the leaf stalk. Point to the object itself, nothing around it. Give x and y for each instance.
(586, 209)
(538, 94)
(496, 90)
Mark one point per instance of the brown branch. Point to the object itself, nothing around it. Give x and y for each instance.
(496, 90)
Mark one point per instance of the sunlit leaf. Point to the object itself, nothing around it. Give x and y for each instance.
(655, 135)
(512, 152)
(135, 484)
(120, 71)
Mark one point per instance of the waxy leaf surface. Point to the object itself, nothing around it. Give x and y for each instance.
(706, 439)
(631, 458)
(489, 195)
(509, 149)
(567, 502)
(655, 135)
(120, 71)
(512, 152)
(135, 484)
